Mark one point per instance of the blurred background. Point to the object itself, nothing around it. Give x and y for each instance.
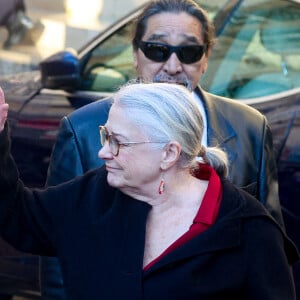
(59, 24)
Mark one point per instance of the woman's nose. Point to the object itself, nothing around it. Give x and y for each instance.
(104, 152)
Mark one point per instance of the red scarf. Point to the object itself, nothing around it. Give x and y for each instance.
(207, 213)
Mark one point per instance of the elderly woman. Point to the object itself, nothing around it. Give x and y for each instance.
(159, 221)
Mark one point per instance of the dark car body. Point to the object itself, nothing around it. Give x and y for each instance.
(256, 61)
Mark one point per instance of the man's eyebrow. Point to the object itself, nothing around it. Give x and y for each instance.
(156, 36)
(159, 36)
(192, 39)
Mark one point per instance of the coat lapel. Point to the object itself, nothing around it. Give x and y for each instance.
(220, 236)
(219, 130)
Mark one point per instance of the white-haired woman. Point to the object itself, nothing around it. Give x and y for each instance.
(159, 221)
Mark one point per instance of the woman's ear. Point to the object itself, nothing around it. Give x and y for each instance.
(170, 154)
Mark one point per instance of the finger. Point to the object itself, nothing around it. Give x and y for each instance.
(3, 110)
(3, 115)
(2, 98)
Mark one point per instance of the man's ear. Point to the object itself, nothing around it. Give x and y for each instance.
(208, 53)
(205, 63)
(170, 155)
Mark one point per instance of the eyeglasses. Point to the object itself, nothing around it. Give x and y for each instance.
(114, 145)
(161, 52)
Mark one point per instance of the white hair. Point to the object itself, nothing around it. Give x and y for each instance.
(165, 111)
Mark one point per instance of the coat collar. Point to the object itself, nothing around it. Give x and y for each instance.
(218, 237)
(219, 130)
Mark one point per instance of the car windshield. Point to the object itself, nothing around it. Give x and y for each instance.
(257, 52)
(213, 7)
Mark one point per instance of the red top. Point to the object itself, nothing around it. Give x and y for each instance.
(207, 213)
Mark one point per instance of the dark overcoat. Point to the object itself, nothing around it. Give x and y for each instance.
(98, 235)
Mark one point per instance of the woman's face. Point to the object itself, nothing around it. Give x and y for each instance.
(136, 168)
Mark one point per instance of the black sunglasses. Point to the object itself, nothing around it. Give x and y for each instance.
(161, 52)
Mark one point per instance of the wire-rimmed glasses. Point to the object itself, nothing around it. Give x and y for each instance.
(114, 144)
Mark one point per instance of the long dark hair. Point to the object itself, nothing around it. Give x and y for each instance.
(174, 6)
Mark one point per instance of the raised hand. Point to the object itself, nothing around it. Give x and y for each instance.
(3, 110)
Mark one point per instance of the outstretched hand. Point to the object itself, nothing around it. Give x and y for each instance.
(3, 110)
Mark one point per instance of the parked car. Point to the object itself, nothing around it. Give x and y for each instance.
(256, 61)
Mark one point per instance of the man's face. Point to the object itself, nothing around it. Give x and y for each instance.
(175, 30)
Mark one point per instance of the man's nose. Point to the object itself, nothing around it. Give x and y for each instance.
(173, 65)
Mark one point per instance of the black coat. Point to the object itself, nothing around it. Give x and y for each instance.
(98, 234)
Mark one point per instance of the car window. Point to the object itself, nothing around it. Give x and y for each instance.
(110, 64)
(258, 53)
